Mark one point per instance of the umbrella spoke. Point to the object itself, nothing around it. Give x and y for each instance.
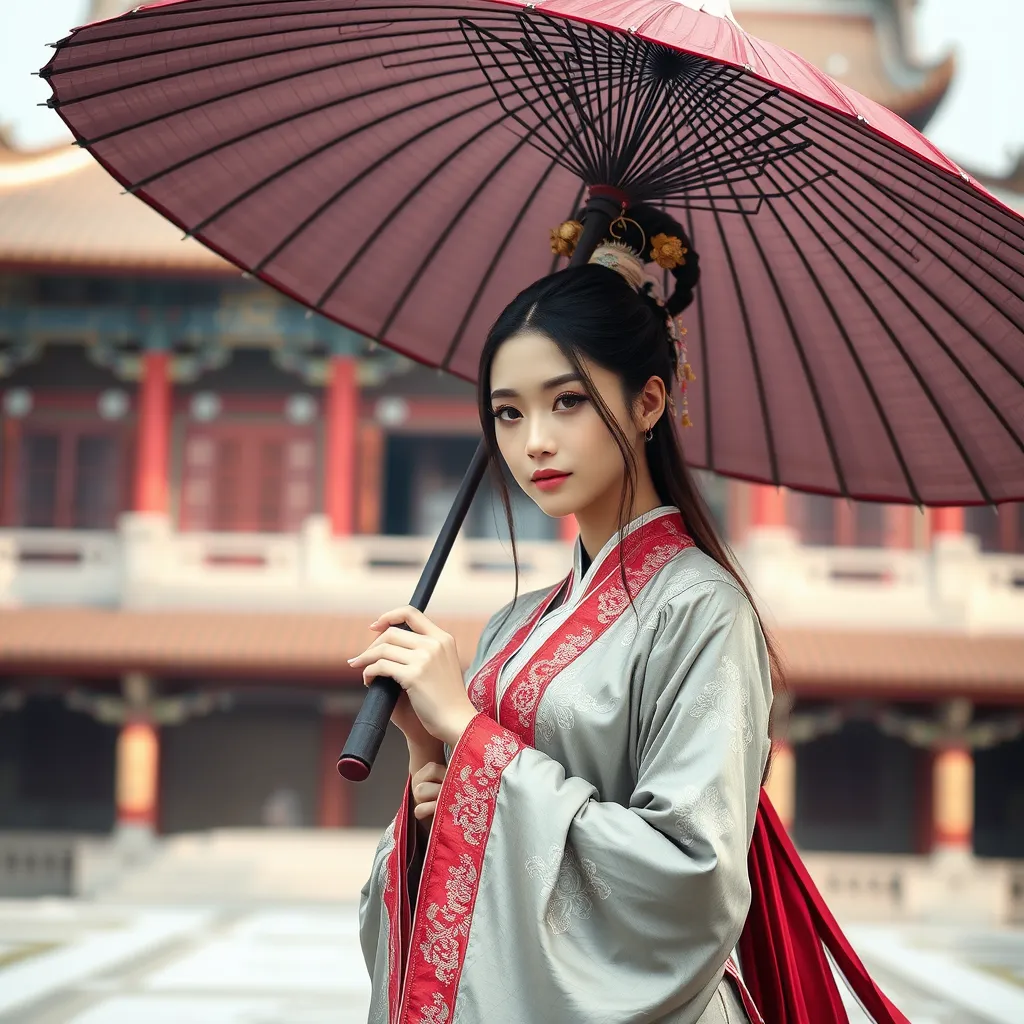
(400, 205)
(495, 260)
(935, 335)
(891, 334)
(453, 222)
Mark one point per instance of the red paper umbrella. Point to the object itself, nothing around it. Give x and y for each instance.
(397, 167)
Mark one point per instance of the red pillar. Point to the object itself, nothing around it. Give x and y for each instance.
(154, 429)
(947, 520)
(138, 761)
(9, 483)
(335, 809)
(371, 478)
(341, 431)
(953, 799)
(768, 506)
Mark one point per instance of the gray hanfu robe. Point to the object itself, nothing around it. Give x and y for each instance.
(587, 863)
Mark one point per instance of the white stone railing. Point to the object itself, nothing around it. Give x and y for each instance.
(146, 564)
(41, 567)
(953, 586)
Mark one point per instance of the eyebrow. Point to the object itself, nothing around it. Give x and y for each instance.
(555, 382)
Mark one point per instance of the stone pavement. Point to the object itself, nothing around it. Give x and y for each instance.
(126, 965)
(75, 962)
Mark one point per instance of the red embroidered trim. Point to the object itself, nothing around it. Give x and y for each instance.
(451, 870)
(649, 548)
(482, 687)
(395, 897)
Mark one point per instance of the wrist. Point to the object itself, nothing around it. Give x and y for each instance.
(423, 752)
(459, 724)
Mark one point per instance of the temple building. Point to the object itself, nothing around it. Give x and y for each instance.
(206, 495)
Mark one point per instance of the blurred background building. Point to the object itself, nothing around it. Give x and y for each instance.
(206, 495)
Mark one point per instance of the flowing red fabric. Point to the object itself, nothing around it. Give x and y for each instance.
(789, 928)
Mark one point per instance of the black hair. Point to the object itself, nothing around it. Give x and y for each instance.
(591, 312)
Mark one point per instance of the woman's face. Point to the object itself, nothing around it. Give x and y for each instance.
(548, 431)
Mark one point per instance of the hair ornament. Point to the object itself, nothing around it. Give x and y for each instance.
(684, 371)
(623, 260)
(565, 237)
(668, 251)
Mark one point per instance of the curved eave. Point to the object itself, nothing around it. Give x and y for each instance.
(918, 108)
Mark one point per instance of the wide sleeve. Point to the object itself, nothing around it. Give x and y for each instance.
(382, 901)
(594, 911)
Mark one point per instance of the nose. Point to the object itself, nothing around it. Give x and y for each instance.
(539, 441)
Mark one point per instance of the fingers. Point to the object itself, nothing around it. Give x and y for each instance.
(426, 792)
(393, 652)
(388, 670)
(413, 618)
(430, 772)
(424, 812)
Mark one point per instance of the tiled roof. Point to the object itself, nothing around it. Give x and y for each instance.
(253, 645)
(61, 207)
(307, 646)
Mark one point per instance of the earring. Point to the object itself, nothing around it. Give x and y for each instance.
(649, 436)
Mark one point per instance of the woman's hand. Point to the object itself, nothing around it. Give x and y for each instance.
(426, 787)
(423, 660)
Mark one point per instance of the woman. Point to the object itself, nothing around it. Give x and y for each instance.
(582, 856)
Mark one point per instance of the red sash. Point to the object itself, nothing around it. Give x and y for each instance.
(787, 932)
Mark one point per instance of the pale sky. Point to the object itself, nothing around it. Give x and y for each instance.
(981, 122)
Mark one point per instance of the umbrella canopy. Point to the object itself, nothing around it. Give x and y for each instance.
(397, 167)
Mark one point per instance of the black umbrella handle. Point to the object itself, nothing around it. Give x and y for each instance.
(382, 695)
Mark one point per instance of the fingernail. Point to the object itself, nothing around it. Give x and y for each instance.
(350, 660)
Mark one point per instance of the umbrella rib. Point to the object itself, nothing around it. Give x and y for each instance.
(941, 180)
(923, 241)
(292, 235)
(446, 234)
(77, 40)
(246, 58)
(543, 144)
(436, 169)
(249, 58)
(926, 390)
(256, 86)
(919, 316)
(709, 433)
(288, 118)
(914, 211)
(324, 147)
(581, 139)
(749, 337)
(492, 266)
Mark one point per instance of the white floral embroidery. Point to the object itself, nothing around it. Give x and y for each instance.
(652, 604)
(564, 699)
(571, 883)
(701, 814)
(725, 701)
(471, 808)
(449, 924)
(527, 693)
(612, 602)
(436, 1014)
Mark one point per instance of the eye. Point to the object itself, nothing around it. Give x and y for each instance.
(570, 400)
(507, 414)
